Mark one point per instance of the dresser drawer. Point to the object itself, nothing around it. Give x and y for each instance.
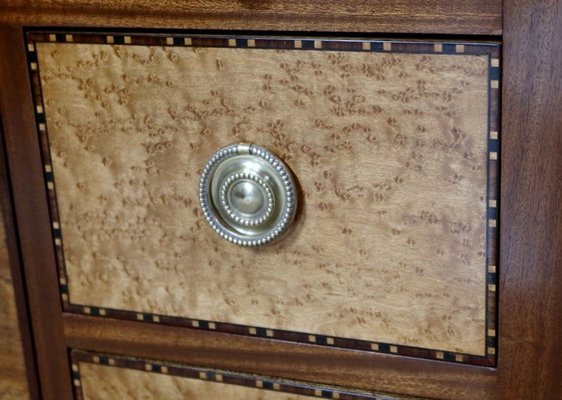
(391, 269)
(102, 376)
(393, 146)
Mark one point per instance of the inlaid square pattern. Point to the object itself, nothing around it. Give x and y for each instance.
(102, 376)
(395, 146)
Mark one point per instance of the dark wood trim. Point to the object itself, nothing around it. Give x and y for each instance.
(32, 215)
(18, 281)
(317, 364)
(530, 322)
(467, 17)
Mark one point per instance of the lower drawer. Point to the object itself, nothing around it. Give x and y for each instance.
(101, 376)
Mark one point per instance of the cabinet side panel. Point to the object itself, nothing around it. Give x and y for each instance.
(13, 379)
(531, 235)
(31, 216)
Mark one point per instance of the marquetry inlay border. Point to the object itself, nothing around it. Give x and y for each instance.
(492, 50)
(218, 377)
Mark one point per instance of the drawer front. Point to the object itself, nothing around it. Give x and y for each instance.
(101, 376)
(394, 146)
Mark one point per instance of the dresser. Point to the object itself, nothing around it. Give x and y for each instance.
(287, 200)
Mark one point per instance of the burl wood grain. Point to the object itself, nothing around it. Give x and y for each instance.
(13, 379)
(389, 149)
(104, 383)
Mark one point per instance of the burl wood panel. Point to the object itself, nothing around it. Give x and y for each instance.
(389, 149)
(13, 379)
(99, 376)
(102, 382)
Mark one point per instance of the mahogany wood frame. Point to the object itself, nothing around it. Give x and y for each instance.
(530, 287)
(18, 279)
(482, 17)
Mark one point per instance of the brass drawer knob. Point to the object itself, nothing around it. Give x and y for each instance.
(247, 194)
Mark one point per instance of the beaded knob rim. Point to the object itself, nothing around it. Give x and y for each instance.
(271, 177)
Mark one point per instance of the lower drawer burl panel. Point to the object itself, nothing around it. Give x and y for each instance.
(105, 377)
(394, 146)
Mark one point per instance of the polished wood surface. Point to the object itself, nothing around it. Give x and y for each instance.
(391, 252)
(13, 381)
(317, 364)
(531, 250)
(13, 376)
(31, 206)
(402, 16)
(530, 362)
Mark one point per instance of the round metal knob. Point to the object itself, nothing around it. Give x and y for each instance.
(248, 195)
